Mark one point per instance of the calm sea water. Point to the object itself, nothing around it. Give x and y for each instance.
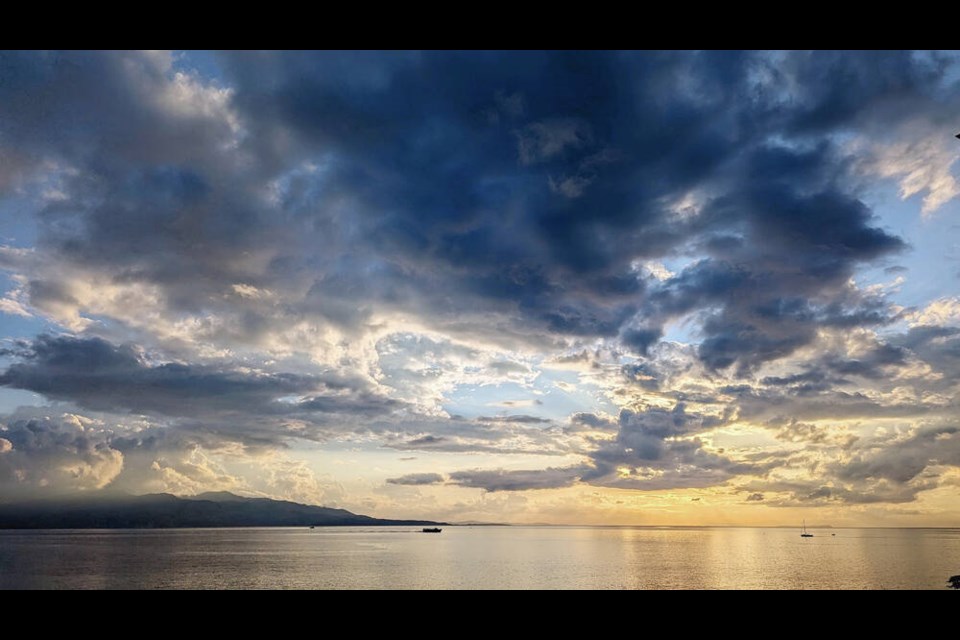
(479, 558)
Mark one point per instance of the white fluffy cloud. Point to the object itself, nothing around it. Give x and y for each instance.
(64, 452)
(941, 312)
(920, 166)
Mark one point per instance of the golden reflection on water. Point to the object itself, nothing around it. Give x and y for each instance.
(481, 558)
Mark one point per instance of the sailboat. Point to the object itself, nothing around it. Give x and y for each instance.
(804, 533)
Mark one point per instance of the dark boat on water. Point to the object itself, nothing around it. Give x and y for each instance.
(805, 534)
(432, 530)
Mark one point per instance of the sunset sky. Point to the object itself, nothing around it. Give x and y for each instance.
(578, 287)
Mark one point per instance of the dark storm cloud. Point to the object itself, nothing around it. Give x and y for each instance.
(526, 183)
(835, 89)
(639, 340)
(417, 479)
(801, 238)
(98, 375)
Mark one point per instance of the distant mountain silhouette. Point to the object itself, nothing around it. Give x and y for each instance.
(162, 510)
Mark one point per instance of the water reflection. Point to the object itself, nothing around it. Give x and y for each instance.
(479, 557)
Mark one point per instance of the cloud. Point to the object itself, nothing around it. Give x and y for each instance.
(417, 479)
(505, 367)
(294, 480)
(155, 114)
(14, 308)
(902, 461)
(517, 480)
(462, 436)
(98, 375)
(261, 177)
(66, 451)
(921, 166)
(652, 449)
(43, 452)
(593, 421)
(784, 279)
(315, 246)
(187, 472)
(941, 312)
(540, 141)
(640, 340)
(517, 419)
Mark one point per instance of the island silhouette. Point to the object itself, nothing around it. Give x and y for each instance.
(163, 510)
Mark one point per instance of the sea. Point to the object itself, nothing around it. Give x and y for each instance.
(479, 557)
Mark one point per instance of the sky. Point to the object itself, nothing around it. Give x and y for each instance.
(680, 288)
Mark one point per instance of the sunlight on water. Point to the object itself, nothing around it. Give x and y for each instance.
(480, 558)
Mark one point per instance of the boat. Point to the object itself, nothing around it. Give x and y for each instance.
(432, 530)
(804, 533)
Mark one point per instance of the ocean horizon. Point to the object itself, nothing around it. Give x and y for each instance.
(480, 557)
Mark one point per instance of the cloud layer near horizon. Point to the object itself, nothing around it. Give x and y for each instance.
(646, 266)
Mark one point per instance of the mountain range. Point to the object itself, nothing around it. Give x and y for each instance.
(163, 510)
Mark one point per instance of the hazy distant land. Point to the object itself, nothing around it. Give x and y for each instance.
(162, 510)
